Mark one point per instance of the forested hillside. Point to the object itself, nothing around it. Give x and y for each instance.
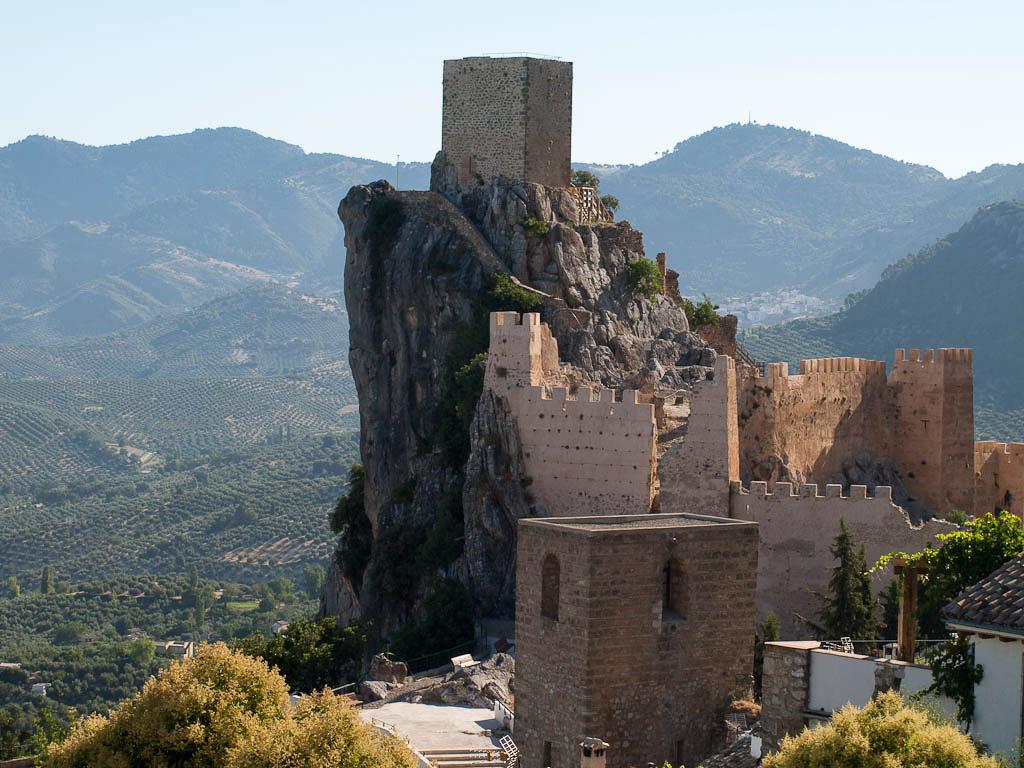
(961, 291)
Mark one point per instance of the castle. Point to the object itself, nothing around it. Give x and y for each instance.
(660, 526)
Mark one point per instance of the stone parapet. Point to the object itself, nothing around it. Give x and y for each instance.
(785, 689)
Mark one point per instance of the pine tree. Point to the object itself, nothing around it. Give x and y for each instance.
(848, 610)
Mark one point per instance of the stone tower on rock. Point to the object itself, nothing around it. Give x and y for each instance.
(508, 116)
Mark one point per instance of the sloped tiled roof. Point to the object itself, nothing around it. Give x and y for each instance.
(996, 602)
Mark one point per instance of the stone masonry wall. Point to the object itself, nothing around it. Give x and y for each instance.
(655, 685)
(999, 477)
(797, 530)
(696, 469)
(785, 684)
(508, 117)
(932, 439)
(812, 426)
(522, 352)
(586, 453)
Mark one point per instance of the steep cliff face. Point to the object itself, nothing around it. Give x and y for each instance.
(444, 480)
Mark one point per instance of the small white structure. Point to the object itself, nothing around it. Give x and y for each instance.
(991, 614)
(180, 649)
(39, 689)
(279, 627)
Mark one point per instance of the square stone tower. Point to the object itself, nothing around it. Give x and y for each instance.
(638, 630)
(509, 116)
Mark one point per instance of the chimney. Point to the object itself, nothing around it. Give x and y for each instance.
(593, 753)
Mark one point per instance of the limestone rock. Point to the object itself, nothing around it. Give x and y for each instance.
(477, 686)
(384, 669)
(375, 690)
(417, 265)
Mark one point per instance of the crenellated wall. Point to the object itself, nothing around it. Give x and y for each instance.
(999, 477)
(586, 453)
(522, 352)
(797, 527)
(838, 410)
(695, 470)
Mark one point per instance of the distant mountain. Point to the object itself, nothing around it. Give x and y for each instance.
(749, 208)
(962, 291)
(95, 239)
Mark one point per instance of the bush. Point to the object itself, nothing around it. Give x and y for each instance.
(701, 314)
(350, 522)
(310, 654)
(644, 278)
(222, 708)
(611, 202)
(383, 223)
(884, 734)
(536, 227)
(325, 732)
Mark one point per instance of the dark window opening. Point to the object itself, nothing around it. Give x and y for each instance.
(547, 754)
(549, 588)
(673, 591)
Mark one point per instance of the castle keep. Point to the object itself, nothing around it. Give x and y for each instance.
(508, 117)
(634, 627)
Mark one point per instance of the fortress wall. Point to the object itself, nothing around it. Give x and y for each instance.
(521, 352)
(818, 420)
(586, 454)
(999, 477)
(695, 471)
(797, 527)
(932, 440)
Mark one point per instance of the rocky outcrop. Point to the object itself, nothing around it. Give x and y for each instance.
(444, 479)
(477, 686)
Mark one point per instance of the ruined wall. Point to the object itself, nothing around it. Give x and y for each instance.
(614, 665)
(508, 117)
(814, 422)
(786, 681)
(932, 436)
(586, 453)
(999, 477)
(695, 471)
(812, 426)
(797, 530)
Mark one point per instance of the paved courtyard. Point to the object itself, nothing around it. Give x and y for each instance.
(438, 726)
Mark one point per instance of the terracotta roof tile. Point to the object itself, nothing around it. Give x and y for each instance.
(997, 601)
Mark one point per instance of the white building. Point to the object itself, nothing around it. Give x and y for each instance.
(991, 613)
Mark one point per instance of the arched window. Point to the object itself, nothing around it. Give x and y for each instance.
(673, 591)
(549, 587)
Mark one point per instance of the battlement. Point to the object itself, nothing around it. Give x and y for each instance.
(992, 447)
(759, 489)
(942, 356)
(522, 351)
(630, 402)
(841, 365)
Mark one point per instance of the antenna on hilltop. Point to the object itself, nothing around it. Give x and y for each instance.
(750, 119)
(398, 159)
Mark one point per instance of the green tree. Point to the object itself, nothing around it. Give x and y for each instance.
(645, 278)
(447, 621)
(46, 580)
(310, 653)
(13, 587)
(350, 522)
(886, 733)
(142, 651)
(768, 632)
(611, 202)
(313, 578)
(584, 179)
(702, 313)
(848, 609)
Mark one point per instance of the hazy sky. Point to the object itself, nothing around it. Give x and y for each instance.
(931, 82)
